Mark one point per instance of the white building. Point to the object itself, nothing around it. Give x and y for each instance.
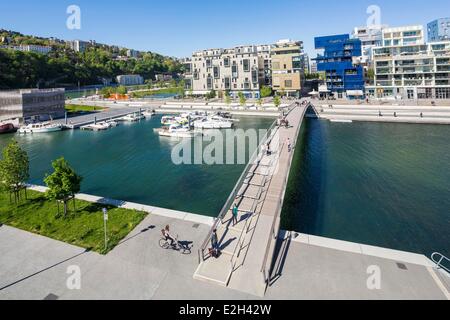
(130, 80)
(239, 69)
(29, 48)
(406, 67)
(132, 53)
(78, 45)
(370, 36)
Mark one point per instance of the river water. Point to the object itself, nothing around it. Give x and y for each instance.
(380, 184)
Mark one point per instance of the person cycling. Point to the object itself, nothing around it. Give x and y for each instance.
(166, 233)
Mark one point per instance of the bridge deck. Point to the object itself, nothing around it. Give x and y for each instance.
(259, 202)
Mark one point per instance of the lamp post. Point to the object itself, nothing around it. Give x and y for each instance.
(105, 218)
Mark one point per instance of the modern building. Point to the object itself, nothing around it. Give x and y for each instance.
(78, 45)
(399, 36)
(287, 67)
(233, 70)
(32, 104)
(370, 36)
(130, 79)
(439, 30)
(132, 53)
(29, 48)
(341, 63)
(412, 71)
(264, 64)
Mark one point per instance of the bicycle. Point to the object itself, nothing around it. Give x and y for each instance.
(177, 246)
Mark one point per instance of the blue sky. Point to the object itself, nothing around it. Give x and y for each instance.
(178, 27)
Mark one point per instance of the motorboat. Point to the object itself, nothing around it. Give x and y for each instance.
(212, 123)
(169, 120)
(7, 128)
(177, 131)
(132, 117)
(42, 127)
(148, 113)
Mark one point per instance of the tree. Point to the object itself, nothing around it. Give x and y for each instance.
(122, 90)
(14, 170)
(211, 94)
(266, 91)
(277, 101)
(63, 183)
(242, 99)
(227, 98)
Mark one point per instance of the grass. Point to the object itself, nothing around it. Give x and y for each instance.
(83, 228)
(73, 108)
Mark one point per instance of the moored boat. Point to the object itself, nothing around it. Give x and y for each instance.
(7, 128)
(42, 127)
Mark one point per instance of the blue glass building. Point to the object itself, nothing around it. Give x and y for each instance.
(439, 30)
(338, 62)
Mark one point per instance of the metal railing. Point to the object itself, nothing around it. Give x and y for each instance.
(231, 198)
(265, 268)
(439, 258)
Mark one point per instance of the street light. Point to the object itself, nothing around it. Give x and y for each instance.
(105, 218)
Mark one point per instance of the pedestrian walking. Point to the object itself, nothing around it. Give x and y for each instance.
(288, 142)
(215, 244)
(234, 213)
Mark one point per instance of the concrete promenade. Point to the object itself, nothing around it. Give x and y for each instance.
(35, 267)
(383, 113)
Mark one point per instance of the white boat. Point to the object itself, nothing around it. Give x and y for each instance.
(176, 131)
(42, 127)
(210, 123)
(169, 120)
(148, 113)
(112, 123)
(133, 117)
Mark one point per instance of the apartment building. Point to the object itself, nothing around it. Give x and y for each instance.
(403, 36)
(370, 36)
(32, 104)
(439, 30)
(341, 63)
(130, 80)
(78, 45)
(412, 71)
(287, 67)
(29, 48)
(234, 70)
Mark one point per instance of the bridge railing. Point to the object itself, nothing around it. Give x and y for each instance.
(275, 229)
(231, 198)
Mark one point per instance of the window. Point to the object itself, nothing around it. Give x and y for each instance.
(208, 63)
(226, 62)
(288, 83)
(255, 76)
(209, 82)
(246, 63)
(227, 83)
(234, 71)
(187, 84)
(216, 72)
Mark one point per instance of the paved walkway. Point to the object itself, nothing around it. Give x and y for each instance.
(34, 267)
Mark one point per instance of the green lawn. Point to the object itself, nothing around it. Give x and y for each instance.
(141, 94)
(73, 108)
(83, 228)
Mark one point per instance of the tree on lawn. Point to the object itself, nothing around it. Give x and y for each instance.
(266, 91)
(227, 98)
(277, 101)
(242, 99)
(14, 170)
(63, 183)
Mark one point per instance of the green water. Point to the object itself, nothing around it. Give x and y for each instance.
(132, 163)
(380, 184)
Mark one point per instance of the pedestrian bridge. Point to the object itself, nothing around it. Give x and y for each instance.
(247, 247)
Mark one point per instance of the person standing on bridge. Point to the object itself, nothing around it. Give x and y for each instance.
(234, 213)
(215, 244)
(288, 142)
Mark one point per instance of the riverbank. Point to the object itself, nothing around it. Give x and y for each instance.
(83, 225)
(383, 113)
